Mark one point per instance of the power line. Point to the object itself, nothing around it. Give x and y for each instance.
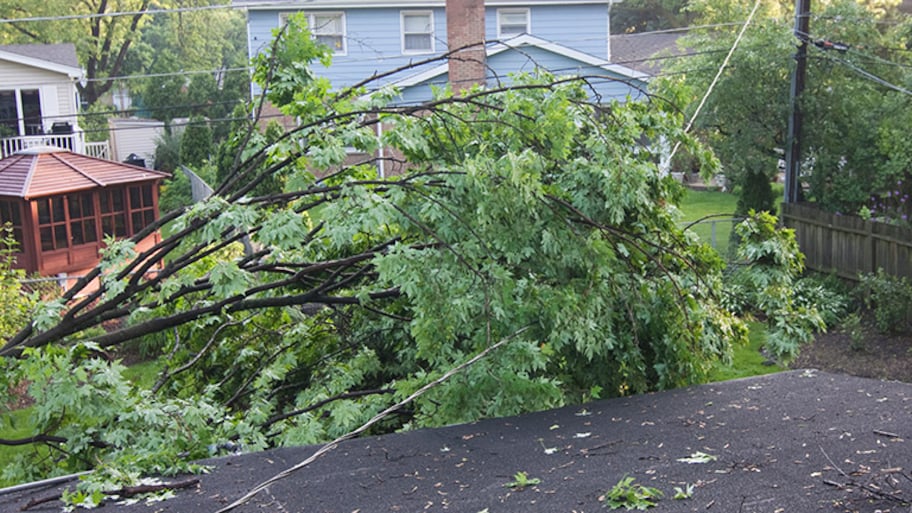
(150, 12)
(172, 74)
(868, 75)
(715, 80)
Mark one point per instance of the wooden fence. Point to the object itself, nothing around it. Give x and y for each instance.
(848, 245)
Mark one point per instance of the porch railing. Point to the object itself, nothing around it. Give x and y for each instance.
(99, 150)
(73, 142)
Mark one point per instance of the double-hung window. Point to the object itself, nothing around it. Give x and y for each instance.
(512, 22)
(326, 27)
(417, 32)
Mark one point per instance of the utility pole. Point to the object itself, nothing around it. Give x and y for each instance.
(793, 140)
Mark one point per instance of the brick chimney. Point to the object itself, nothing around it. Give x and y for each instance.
(465, 21)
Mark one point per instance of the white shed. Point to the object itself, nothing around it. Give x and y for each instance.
(135, 136)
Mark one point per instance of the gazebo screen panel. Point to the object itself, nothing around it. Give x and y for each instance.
(113, 212)
(142, 207)
(82, 218)
(52, 223)
(11, 212)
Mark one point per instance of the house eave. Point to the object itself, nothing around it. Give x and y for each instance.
(527, 40)
(69, 71)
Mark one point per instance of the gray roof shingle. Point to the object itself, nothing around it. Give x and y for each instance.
(62, 53)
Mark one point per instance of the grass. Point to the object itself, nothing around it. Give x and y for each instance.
(716, 230)
(746, 359)
(144, 374)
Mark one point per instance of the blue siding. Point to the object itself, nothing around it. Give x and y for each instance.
(374, 41)
(606, 85)
(581, 27)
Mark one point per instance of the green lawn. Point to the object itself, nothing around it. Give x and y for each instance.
(144, 374)
(702, 204)
(746, 359)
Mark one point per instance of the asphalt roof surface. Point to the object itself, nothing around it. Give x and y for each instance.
(797, 441)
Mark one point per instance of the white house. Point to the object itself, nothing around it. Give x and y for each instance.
(39, 99)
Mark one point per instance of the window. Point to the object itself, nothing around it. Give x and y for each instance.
(512, 22)
(9, 114)
(52, 223)
(417, 32)
(326, 27)
(329, 29)
(142, 207)
(20, 112)
(82, 218)
(113, 213)
(76, 219)
(11, 213)
(31, 112)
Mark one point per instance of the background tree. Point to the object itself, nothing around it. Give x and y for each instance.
(648, 15)
(849, 156)
(196, 142)
(743, 120)
(198, 65)
(105, 41)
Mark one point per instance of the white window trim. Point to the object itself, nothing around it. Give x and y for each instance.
(283, 19)
(402, 15)
(43, 99)
(514, 10)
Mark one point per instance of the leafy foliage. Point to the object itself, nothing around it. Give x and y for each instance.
(294, 315)
(683, 493)
(17, 304)
(765, 282)
(522, 480)
(113, 46)
(196, 142)
(854, 144)
(649, 15)
(95, 419)
(890, 298)
(630, 495)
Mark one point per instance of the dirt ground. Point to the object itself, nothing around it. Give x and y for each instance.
(879, 356)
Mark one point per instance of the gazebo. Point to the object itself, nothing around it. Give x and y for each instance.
(62, 205)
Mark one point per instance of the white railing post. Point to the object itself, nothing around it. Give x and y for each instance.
(74, 142)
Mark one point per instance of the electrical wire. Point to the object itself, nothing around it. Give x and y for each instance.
(715, 80)
(68, 17)
(870, 76)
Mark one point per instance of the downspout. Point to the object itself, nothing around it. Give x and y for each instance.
(608, 39)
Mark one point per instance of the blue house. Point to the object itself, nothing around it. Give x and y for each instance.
(499, 37)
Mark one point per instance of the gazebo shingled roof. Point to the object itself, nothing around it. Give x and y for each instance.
(44, 171)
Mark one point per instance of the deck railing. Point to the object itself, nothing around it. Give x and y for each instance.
(73, 142)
